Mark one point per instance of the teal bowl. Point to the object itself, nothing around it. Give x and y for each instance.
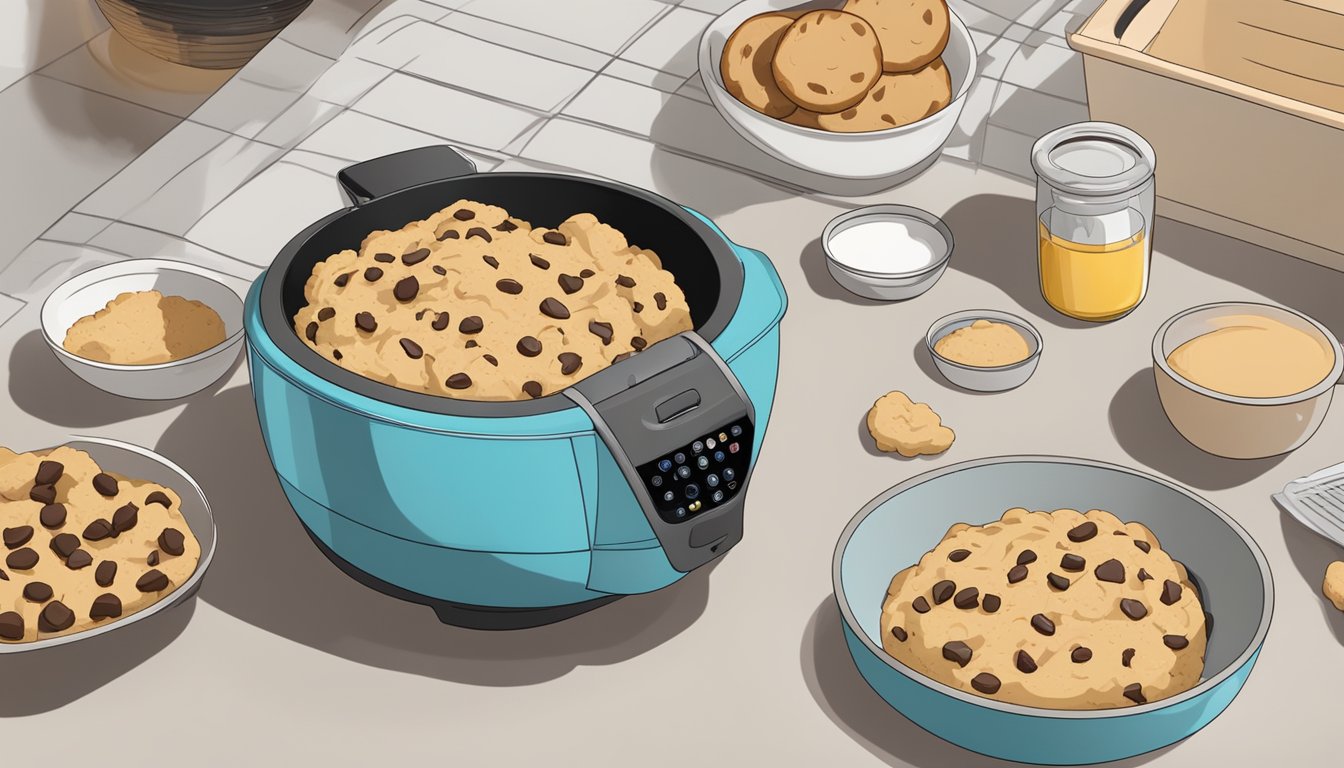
(899, 526)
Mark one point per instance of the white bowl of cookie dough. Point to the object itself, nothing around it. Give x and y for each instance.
(997, 378)
(869, 155)
(90, 291)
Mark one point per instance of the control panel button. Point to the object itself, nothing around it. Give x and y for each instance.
(680, 458)
(732, 486)
(710, 442)
(736, 430)
(665, 465)
(692, 491)
(698, 446)
(734, 448)
(656, 480)
(723, 437)
(681, 512)
(683, 472)
(717, 497)
(719, 457)
(712, 481)
(702, 462)
(669, 496)
(695, 506)
(729, 473)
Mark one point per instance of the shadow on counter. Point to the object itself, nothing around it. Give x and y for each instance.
(843, 694)
(1311, 554)
(268, 573)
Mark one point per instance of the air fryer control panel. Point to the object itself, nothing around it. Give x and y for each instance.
(700, 476)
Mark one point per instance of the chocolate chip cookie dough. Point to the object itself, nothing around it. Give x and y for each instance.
(145, 328)
(1061, 610)
(82, 546)
(898, 424)
(475, 304)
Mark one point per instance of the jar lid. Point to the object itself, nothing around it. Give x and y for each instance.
(1093, 158)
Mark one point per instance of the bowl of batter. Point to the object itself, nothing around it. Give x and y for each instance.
(1245, 380)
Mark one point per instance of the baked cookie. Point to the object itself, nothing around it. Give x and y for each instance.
(912, 32)
(896, 100)
(1333, 588)
(746, 63)
(1062, 610)
(827, 60)
(144, 328)
(908, 428)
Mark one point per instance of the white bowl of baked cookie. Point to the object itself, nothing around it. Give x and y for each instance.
(851, 150)
(147, 329)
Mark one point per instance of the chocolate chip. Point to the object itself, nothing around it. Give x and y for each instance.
(943, 591)
(21, 559)
(1017, 573)
(625, 282)
(1144, 575)
(1024, 663)
(553, 308)
(458, 381)
(957, 555)
(1072, 562)
(326, 313)
(957, 651)
(342, 280)
(1111, 571)
(64, 543)
(538, 262)
(529, 347)
(555, 238)
(406, 289)
(967, 598)
(336, 353)
(471, 324)
(985, 683)
(385, 258)
(412, 350)
(1126, 656)
(1026, 558)
(491, 359)
(1175, 642)
(532, 389)
(639, 343)
(48, 472)
(1145, 546)
(1081, 655)
(1042, 624)
(3, 576)
(37, 592)
(172, 541)
(18, 536)
(152, 558)
(491, 260)
(80, 558)
(1057, 582)
(471, 344)
(364, 321)
(1171, 592)
(601, 331)
(450, 234)
(569, 283)
(511, 287)
(505, 226)
(311, 332)
(1083, 532)
(569, 363)
(159, 497)
(899, 633)
(415, 257)
(464, 214)
(98, 530)
(105, 606)
(1134, 692)
(440, 322)
(1133, 608)
(152, 581)
(586, 273)
(105, 573)
(55, 617)
(43, 494)
(52, 516)
(920, 605)
(373, 274)
(660, 300)
(479, 232)
(11, 626)
(990, 603)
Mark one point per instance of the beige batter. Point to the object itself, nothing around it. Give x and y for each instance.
(144, 328)
(984, 344)
(1254, 356)
(911, 429)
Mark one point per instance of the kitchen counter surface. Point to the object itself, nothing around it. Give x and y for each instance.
(284, 660)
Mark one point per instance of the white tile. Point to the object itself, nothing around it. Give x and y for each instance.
(619, 104)
(181, 201)
(1083, 7)
(1050, 69)
(76, 228)
(638, 73)
(1032, 112)
(108, 64)
(671, 44)
(1009, 151)
(967, 139)
(525, 40)
(184, 145)
(255, 221)
(1008, 9)
(34, 33)
(348, 79)
(284, 66)
(263, 90)
(1063, 24)
(993, 58)
(356, 137)
(493, 71)
(445, 112)
(573, 21)
(694, 89)
(709, 6)
(296, 123)
(978, 19)
(325, 27)
(1017, 32)
(396, 14)
(9, 307)
(44, 265)
(1040, 12)
(325, 164)
(141, 243)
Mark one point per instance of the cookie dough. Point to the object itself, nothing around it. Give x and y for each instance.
(1062, 610)
(984, 344)
(144, 328)
(908, 428)
(83, 546)
(912, 33)
(897, 99)
(1254, 356)
(475, 304)
(1333, 588)
(746, 63)
(827, 60)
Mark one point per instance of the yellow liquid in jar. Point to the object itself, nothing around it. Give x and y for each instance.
(1092, 282)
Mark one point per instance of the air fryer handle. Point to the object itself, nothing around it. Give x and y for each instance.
(659, 403)
(384, 175)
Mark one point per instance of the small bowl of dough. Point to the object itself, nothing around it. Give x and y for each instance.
(1245, 380)
(147, 329)
(984, 350)
(887, 252)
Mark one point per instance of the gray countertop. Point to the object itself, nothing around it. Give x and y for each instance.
(282, 659)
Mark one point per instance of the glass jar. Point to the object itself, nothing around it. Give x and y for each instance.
(1094, 212)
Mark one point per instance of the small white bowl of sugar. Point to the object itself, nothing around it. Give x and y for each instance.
(887, 252)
